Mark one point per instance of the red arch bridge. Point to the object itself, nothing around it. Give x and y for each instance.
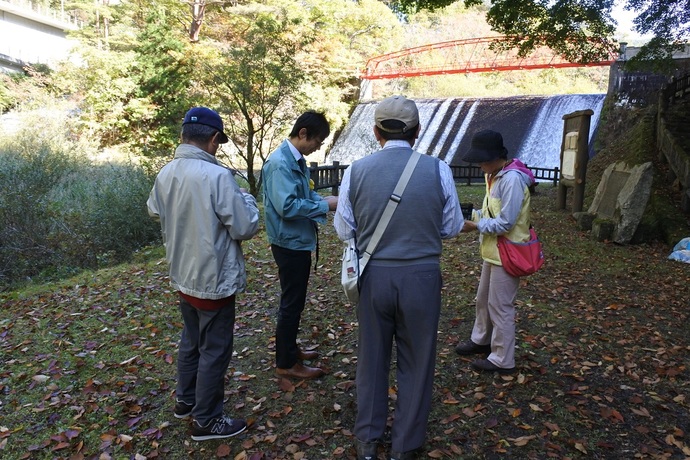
(466, 56)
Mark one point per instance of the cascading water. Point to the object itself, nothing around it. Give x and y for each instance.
(542, 146)
(532, 127)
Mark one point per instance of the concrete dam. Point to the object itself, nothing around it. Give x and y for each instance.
(532, 127)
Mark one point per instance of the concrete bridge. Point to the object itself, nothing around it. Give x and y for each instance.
(32, 35)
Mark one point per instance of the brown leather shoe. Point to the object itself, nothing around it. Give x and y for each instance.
(300, 371)
(307, 355)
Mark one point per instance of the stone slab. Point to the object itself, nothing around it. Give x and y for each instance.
(622, 196)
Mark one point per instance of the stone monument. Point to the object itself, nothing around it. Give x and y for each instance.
(620, 201)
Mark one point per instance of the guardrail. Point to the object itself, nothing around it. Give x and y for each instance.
(678, 88)
(330, 176)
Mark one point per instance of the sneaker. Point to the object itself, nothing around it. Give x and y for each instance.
(366, 450)
(484, 365)
(471, 348)
(182, 410)
(409, 455)
(218, 428)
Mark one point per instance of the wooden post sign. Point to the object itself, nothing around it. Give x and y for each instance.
(574, 157)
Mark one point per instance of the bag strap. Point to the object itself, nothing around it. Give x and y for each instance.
(390, 207)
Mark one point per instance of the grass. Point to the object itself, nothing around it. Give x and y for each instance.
(88, 364)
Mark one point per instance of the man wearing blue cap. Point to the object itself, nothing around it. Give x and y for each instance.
(204, 215)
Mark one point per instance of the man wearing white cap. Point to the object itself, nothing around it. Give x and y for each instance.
(400, 289)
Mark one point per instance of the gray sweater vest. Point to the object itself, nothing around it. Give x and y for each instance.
(413, 235)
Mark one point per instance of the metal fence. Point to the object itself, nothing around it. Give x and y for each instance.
(330, 176)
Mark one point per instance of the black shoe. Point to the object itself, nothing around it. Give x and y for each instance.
(484, 365)
(218, 428)
(409, 455)
(182, 410)
(471, 348)
(366, 450)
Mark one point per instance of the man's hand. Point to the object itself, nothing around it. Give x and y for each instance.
(332, 202)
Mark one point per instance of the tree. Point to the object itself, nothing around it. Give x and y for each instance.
(98, 14)
(198, 10)
(277, 60)
(580, 30)
(166, 67)
(258, 81)
(668, 21)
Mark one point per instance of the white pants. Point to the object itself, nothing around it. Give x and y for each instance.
(494, 322)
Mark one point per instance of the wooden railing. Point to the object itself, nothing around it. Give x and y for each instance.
(327, 176)
(678, 88)
(474, 174)
(330, 176)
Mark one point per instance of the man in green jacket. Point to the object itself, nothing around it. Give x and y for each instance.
(292, 211)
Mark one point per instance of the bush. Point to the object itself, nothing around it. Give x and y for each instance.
(99, 214)
(61, 212)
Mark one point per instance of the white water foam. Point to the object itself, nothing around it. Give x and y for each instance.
(540, 148)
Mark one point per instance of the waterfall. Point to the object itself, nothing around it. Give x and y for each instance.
(532, 126)
(540, 147)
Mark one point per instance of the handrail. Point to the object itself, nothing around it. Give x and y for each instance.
(330, 176)
(678, 88)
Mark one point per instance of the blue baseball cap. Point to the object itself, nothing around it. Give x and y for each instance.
(208, 117)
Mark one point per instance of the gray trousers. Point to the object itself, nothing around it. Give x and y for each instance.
(401, 304)
(203, 358)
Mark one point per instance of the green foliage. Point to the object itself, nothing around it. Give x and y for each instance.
(669, 22)
(62, 212)
(106, 83)
(27, 171)
(132, 90)
(97, 16)
(259, 63)
(258, 81)
(347, 35)
(413, 6)
(166, 65)
(101, 213)
(278, 60)
(580, 30)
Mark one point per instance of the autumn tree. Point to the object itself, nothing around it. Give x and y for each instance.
(258, 82)
(267, 62)
(580, 30)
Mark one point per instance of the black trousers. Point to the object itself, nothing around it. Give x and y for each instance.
(293, 272)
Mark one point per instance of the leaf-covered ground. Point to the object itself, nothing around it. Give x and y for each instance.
(87, 366)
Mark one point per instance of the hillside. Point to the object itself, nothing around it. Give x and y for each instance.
(628, 134)
(89, 363)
